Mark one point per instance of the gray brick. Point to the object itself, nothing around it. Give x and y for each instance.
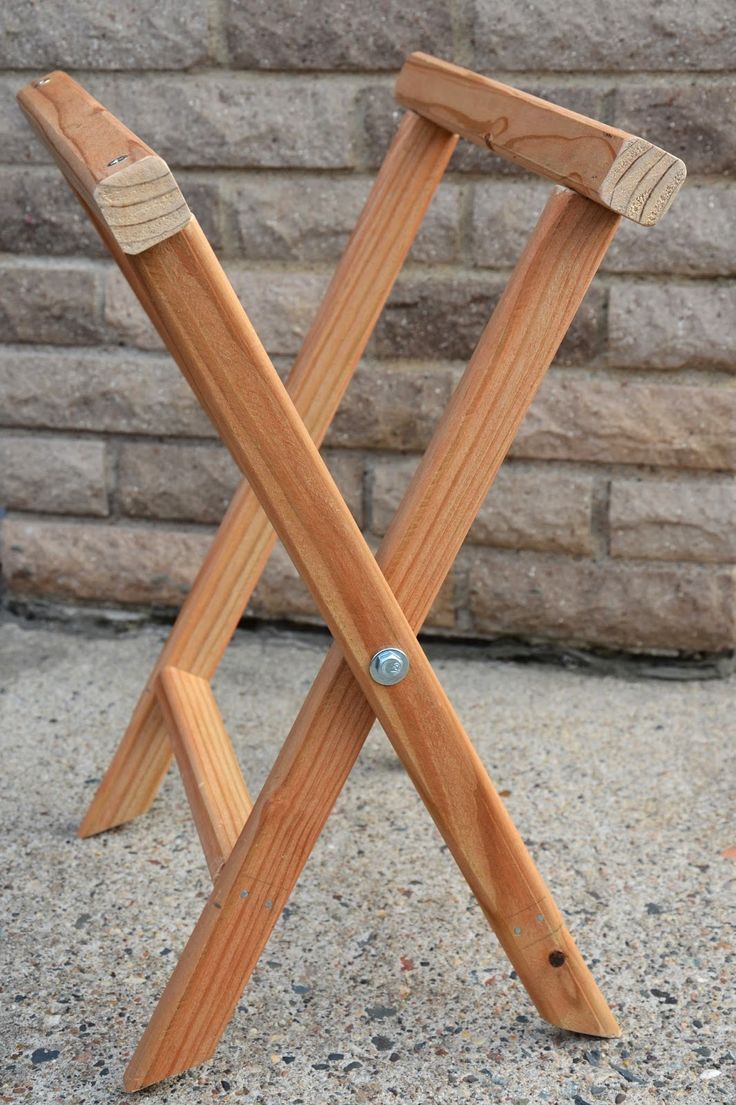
(53, 303)
(310, 218)
(672, 325)
(237, 120)
(697, 238)
(687, 520)
(101, 563)
(281, 306)
(532, 507)
(504, 214)
(619, 604)
(618, 421)
(228, 119)
(53, 475)
(588, 35)
(391, 407)
(38, 214)
(111, 391)
(196, 482)
(203, 197)
(128, 323)
(692, 120)
(99, 34)
(444, 318)
(312, 34)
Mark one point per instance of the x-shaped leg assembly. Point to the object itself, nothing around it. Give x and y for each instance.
(373, 606)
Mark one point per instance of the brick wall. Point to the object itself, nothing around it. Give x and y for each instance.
(613, 522)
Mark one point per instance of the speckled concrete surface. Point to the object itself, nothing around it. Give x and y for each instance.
(381, 982)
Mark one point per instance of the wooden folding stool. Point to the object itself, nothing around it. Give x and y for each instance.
(373, 606)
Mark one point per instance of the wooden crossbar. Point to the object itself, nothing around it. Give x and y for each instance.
(255, 855)
(618, 170)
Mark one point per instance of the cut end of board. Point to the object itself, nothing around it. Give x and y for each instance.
(643, 181)
(142, 204)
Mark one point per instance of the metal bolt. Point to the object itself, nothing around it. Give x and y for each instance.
(244, 893)
(117, 160)
(389, 666)
(44, 80)
(517, 930)
(268, 903)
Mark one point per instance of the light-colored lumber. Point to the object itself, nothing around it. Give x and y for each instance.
(628, 174)
(213, 781)
(466, 451)
(393, 212)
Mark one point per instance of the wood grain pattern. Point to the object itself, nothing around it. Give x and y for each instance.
(393, 212)
(142, 204)
(628, 174)
(213, 781)
(452, 481)
(107, 165)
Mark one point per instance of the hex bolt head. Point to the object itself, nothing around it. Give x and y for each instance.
(389, 666)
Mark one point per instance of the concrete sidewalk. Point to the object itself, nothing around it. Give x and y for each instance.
(382, 981)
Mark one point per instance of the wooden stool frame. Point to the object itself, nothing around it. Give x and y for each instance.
(256, 852)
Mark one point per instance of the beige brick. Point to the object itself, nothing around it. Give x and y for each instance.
(88, 34)
(528, 506)
(672, 325)
(616, 604)
(313, 34)
(176, 482)
(53, 475)
(347, 471)
(112, 391)
(281, 594)
(443, 319)
(391, 407)
(195, 483)
(619, 421)
(691, 119)
(101, 563)
(310, 218)
(585, 34)
(697, 238)
(55, 303)
(687, 520)
(281, 306)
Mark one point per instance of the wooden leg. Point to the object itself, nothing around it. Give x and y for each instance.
(382, 238)
(452, 481)
(212, 777)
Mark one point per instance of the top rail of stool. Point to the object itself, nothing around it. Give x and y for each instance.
(618, 170)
